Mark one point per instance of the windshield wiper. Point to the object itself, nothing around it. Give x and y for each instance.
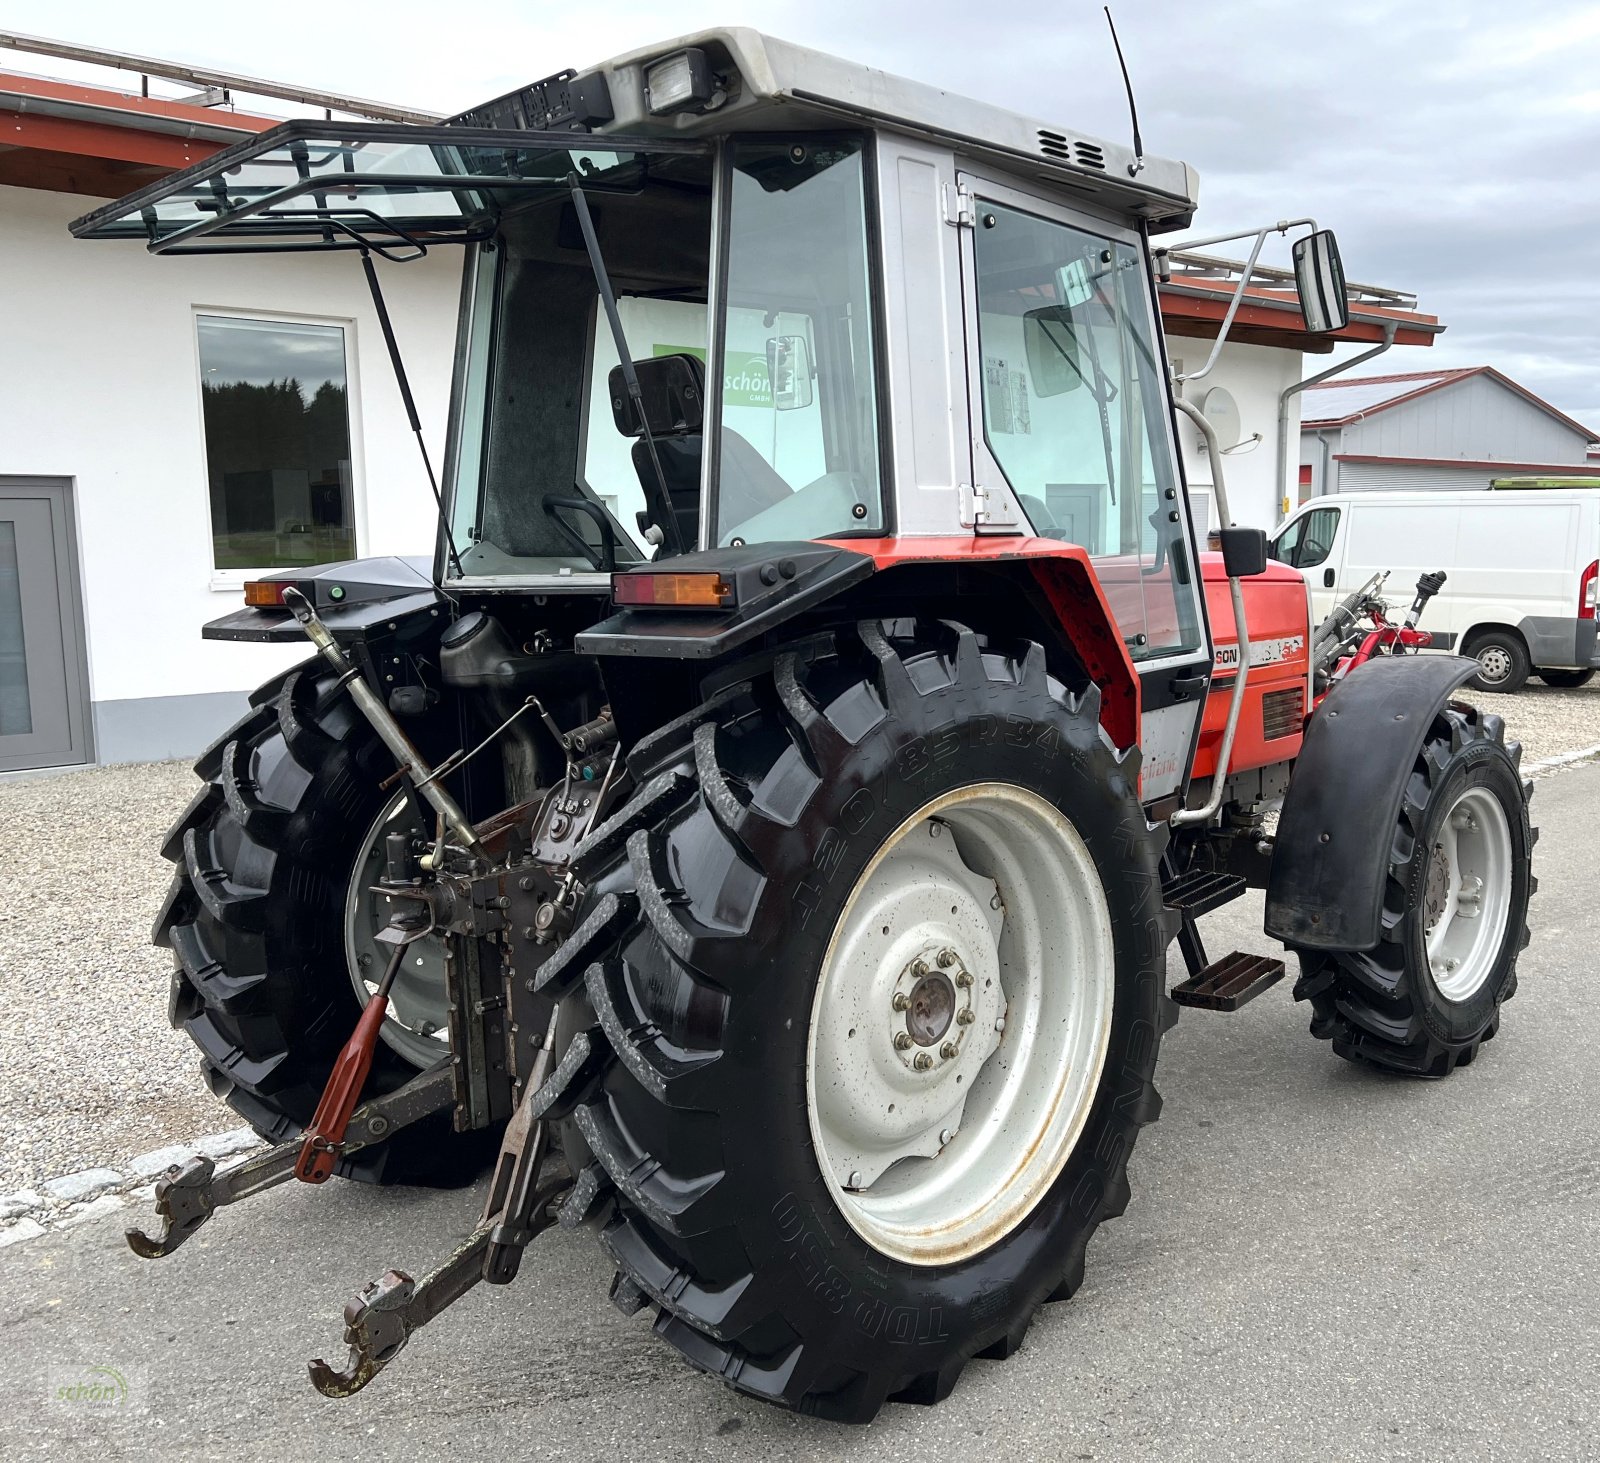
(666, 520)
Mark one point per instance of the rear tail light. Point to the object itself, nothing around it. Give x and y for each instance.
(266, 594)
(1587, 591)
(698, 590)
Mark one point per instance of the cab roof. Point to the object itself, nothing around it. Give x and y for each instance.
(767, 84)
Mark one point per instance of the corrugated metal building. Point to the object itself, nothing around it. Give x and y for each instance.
(1442, 430)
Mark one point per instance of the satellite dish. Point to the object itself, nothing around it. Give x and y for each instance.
(1222, 411)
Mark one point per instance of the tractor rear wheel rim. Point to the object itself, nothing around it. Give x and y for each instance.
(1467, 901)
(417, 1022)
(960, 1024)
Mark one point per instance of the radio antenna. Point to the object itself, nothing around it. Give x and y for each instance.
(1137, 165)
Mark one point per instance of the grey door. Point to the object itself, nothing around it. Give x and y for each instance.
(43, 711)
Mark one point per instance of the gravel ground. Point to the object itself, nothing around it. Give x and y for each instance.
(1547, 722)
(93, 1073)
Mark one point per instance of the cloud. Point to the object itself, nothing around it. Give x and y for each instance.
(1455, 149)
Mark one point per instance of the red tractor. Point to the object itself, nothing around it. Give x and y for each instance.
(759, 835)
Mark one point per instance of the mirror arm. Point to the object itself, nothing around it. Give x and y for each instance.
(1282, 226)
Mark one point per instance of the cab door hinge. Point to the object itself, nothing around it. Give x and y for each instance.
(989, 510)
(958, 208)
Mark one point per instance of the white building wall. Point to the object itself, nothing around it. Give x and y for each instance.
(99, 383)
(1256, 376)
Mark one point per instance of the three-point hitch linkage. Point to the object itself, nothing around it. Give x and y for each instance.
(473, 884)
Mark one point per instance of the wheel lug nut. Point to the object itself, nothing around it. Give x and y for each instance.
(945, 1135)
(902, 1040)
(919, 967)
(947, 958)
(901, 1001)
(964, 978)
(854, 1181)
(922, 1061)
(964, 1016)
(949, 1050)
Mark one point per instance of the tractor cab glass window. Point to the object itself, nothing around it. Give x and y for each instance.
(544, 478)
(1075, 413)
(798, 453)
(274, 402)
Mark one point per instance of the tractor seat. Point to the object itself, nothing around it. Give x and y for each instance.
(749, 483)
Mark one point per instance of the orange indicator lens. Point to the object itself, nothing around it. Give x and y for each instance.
(681, 591)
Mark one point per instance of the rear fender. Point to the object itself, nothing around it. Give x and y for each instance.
(1331, 854)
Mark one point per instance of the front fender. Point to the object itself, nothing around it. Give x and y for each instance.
(1331, 854)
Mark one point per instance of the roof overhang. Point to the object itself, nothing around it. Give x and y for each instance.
(89, 140)
(1541, 469)
(1272, 318)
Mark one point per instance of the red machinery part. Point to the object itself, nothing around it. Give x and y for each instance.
(320, 1149)
(1276, 696)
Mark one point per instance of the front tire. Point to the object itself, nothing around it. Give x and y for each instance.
(1503, 663)
(714, 1127)
(1454, 913)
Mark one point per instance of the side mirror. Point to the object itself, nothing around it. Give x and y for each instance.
(1319, 279)
(789, 371)
(1244, 552)
(1050, 343)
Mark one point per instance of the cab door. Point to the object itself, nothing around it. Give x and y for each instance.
(1072, 433)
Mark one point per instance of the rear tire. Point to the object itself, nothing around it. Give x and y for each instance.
(1568, 680)
(1426, 999)
(1503, 663)
(255, 918)
(723, 888)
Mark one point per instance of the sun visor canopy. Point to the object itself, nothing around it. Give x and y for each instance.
(388, 187)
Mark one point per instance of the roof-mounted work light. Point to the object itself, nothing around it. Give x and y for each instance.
(679, 82)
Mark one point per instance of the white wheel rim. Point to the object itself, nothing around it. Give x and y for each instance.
(417, 1022)
(1495, 663)
(933, 1161)
(1467, 894)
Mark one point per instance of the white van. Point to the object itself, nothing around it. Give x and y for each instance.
(1522, 565)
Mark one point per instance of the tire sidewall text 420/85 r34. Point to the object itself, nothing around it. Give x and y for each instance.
(759, 823)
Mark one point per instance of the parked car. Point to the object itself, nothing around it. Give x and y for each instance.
(1521, 566)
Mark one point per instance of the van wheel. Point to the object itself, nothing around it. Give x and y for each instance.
(1502, 658)
(1565, 680)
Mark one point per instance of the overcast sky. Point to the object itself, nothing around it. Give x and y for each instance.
(1454, 147)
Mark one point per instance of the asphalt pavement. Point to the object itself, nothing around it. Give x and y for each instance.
(1319, 1261)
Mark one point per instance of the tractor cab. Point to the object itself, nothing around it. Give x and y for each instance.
(734, 292)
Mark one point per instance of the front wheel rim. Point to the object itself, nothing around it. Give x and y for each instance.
(1467, 899)
(960, 1024)
(1494, 664)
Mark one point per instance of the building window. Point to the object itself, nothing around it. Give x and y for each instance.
(277, 423)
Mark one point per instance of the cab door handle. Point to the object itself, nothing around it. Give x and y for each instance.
(1327, 578)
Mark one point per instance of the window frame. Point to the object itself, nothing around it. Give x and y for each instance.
(230, 581)
(1333, 538)
(887, 525)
